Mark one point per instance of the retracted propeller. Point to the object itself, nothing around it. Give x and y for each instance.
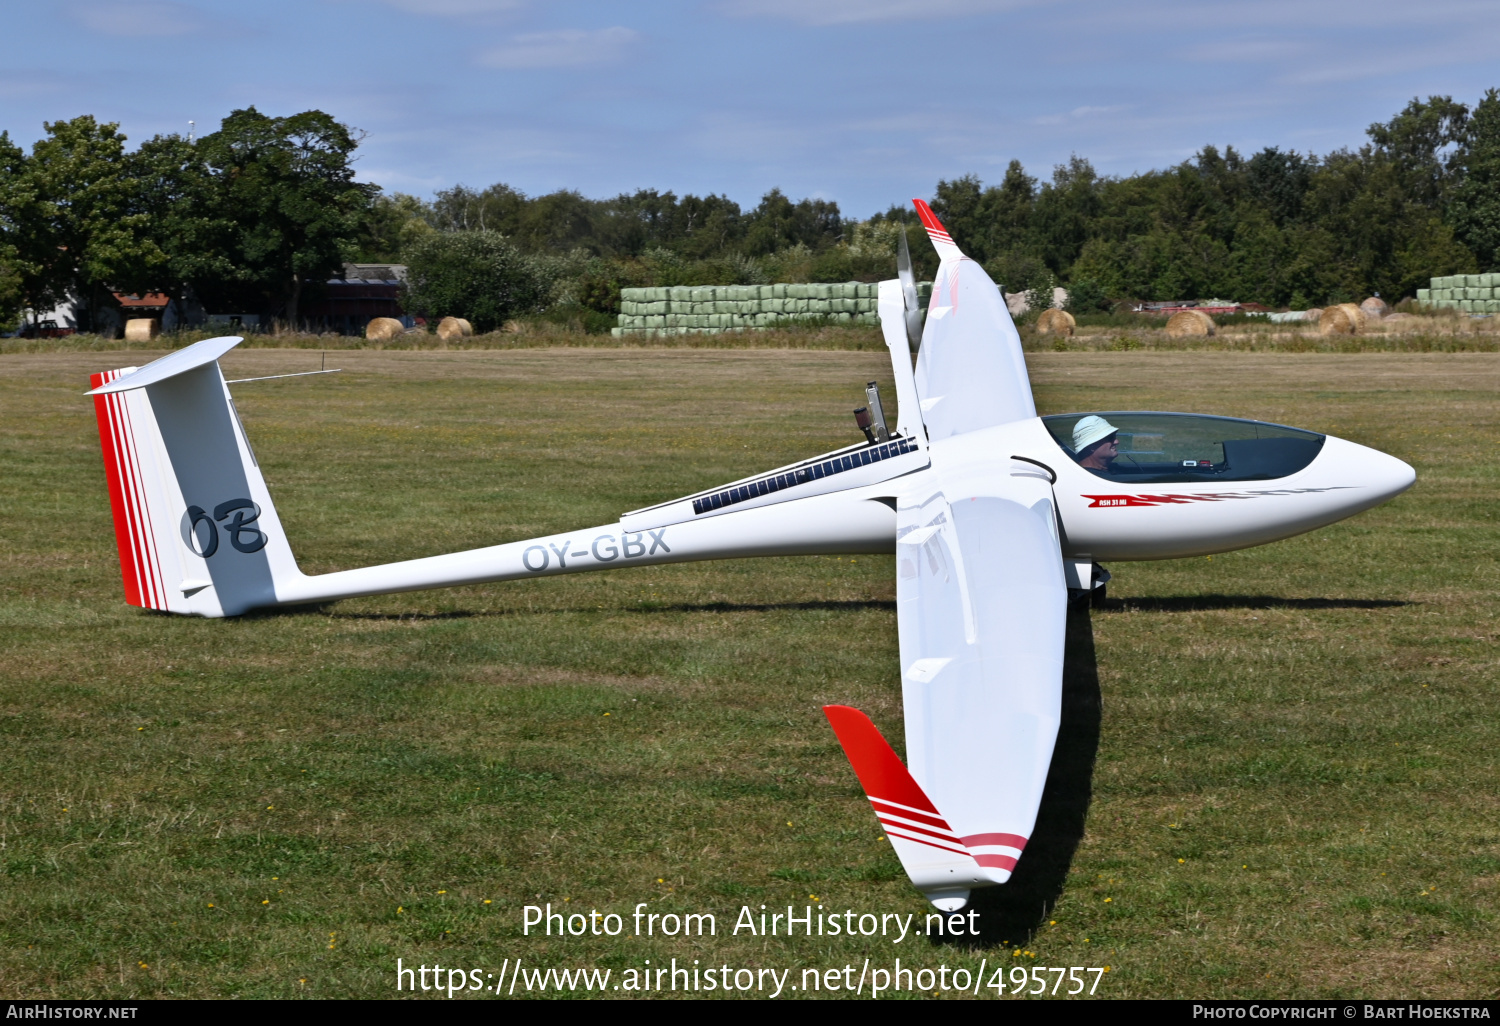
(913, 308)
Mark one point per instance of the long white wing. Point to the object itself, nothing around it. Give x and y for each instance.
(981, 606)
(970, 371)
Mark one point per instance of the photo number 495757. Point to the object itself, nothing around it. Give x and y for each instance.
(1040, 979)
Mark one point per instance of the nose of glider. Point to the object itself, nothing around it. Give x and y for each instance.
(1379, 475)
(1389, 477)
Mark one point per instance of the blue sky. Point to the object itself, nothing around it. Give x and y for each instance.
(866, 103)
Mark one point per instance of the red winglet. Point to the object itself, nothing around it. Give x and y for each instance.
(941, 240)
(929, 219)
(881, 772)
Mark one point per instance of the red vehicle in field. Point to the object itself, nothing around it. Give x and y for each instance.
(45, 329)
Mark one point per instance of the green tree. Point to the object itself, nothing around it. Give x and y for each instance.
(1086, 295)
(188, 236)
(1277, 183)
(389, 227)
(1475, 208)
(76, 231)
(778, 223)
(288, 184)
(497, 209)
(1011, 208)
(962, 205)
(12, 288)
(1064, 210)
(477, 275)
(1425, 143)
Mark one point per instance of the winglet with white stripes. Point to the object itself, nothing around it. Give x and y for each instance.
(933, 855)
(941, 240)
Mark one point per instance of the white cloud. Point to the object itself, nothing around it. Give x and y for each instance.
(1076, 114)
(149, 18)
(16, 83)
(844, 12)
(1477, 49)
(754, 137)
(563, 48)
(1256, 51)
(1289, 20)
(455, 8)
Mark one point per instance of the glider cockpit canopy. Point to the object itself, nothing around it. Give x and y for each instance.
(1161, 448)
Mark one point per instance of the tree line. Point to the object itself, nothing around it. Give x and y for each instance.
(256, 215)
(1420, 198)
(242, 218)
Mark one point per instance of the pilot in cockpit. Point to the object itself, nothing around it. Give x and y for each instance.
(1096, 442)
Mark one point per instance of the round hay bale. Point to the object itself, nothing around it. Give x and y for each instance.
(468, 329)
(383, 329)
(142, 329)
(1190, 322)
(452, 327)
(1336, 321)
(1398, 318)
(1356, 315)
(1375, 308)
(1055, 322)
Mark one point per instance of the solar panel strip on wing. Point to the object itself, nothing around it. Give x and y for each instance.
(815, 472)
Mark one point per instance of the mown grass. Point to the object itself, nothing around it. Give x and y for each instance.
(1442, 332)
(1278, 767)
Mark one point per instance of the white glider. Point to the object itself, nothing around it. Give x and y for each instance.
(991, 512)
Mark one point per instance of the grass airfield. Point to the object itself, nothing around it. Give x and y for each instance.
(1277, 775)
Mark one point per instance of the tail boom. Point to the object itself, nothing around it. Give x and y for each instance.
(844, 522)
(198, 533)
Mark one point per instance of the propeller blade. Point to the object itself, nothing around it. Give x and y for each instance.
(913, 308)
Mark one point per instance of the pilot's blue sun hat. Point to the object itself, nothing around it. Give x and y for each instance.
(1089, 430)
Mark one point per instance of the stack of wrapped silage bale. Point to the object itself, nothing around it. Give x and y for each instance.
(1471, 293)
(697, 309)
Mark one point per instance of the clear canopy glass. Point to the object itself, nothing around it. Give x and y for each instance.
(1181, 447)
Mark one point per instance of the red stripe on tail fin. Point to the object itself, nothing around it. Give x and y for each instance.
(881, 772)
(110, 442)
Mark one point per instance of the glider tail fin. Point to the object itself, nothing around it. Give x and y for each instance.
(933, 855)
(195, 526)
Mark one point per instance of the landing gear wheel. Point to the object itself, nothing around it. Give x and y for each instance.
(1100, 581)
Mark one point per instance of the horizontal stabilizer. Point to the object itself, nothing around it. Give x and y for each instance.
(933, 855)
(170, 366)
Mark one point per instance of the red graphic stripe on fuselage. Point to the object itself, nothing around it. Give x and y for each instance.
(1180, 499)
(1172, 499)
